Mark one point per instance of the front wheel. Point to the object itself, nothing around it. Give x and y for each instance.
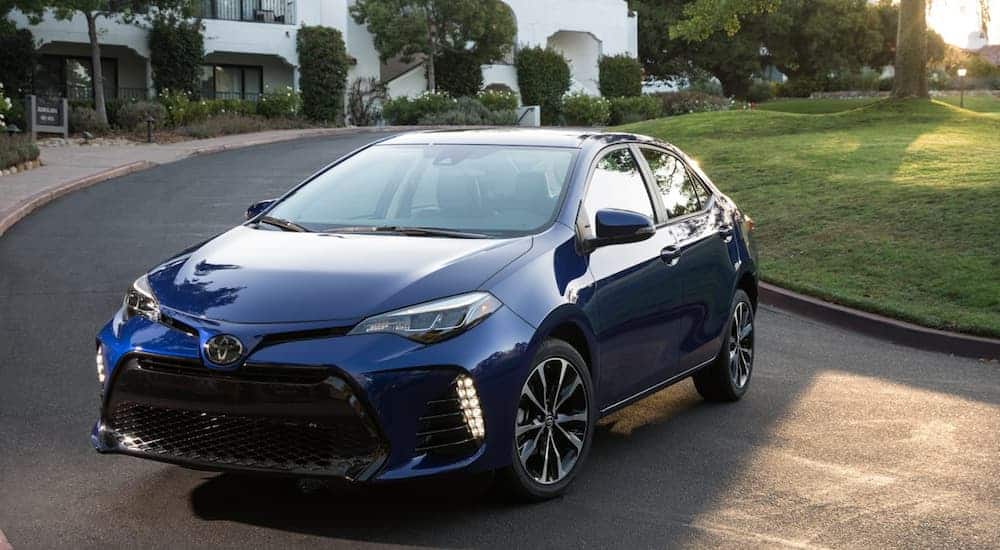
(554, 424)
(728, 377)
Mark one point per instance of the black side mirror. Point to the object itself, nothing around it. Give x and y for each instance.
(258, 207)
(620, 227)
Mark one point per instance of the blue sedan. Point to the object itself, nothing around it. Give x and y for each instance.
(458, 301)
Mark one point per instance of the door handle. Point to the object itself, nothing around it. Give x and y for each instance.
(671, 255)
(726, 232)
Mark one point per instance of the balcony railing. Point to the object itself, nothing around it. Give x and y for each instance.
(86, 93)
(259, 11)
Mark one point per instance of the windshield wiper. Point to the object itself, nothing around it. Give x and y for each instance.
(283, 224)
(411, 231)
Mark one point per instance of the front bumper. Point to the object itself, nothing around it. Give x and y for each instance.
(366, 408)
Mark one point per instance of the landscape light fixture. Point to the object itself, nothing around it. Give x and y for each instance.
(961, 86)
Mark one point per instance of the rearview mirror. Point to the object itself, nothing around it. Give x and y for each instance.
(258, 207)
(620, 227)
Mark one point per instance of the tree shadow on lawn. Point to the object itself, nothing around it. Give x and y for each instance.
(670, 470)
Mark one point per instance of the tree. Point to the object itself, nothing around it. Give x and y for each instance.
(814, 38)
(484, 29)
(702, 18)
(323, 72)
(176, 53)
(912, 48)
(17, 58)
(125, 11)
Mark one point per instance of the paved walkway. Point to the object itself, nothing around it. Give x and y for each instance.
(67, 168)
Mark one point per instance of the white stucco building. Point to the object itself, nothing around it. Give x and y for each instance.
(250, 46)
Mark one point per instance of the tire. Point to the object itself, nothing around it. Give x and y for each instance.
(534, 478)
(723, 380)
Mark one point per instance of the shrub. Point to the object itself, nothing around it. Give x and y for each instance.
(18, 58)
(16, 149)
(625, 110)
(498, 100)
(177, 51)
(286, 103)
(457, 73)
(801, 87)
(323, 72)
(543, 76)
(364, 101)
(404, 111)
(227, 124)
(620, 76)
(580, 109)
(132, 116)
(706, 86)
(685, 102)
(467, 111)
(84, 119)
(760, 92)
(5, 107)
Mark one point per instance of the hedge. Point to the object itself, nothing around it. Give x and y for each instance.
(16, 149)
(177, 51)
(543, 77)
(625, 110)
(323, 72)
(620, 76)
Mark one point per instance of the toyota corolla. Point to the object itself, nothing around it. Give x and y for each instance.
(460, 301)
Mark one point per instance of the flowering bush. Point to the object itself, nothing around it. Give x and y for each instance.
(286, 103)
(498, 100)
(580, 109)
(686, 102)
(404, 111)
(468, 111)
(5, 107)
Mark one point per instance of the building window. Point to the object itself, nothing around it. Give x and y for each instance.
(231, 82)
(73, 77)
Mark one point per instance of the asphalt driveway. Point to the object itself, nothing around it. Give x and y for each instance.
(843, 441)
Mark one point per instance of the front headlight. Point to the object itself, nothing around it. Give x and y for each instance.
(433, 321)
(139, 300)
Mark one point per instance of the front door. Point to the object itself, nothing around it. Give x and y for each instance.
(635, 295)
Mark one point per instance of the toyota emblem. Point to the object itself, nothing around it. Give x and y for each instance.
(224, 349)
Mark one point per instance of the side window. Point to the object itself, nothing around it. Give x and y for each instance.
(617, 183)
(677, 187)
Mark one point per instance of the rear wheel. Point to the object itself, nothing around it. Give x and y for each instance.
(553, 427)
(728, 377)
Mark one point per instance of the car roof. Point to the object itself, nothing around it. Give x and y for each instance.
(531, 137)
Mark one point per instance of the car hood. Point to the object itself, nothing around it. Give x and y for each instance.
(258, 276)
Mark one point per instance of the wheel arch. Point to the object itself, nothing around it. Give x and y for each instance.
(570, 324)
(748, 283)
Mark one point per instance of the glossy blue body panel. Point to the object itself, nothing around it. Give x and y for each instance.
(643, 318)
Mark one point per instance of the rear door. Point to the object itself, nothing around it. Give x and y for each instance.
(703, 267)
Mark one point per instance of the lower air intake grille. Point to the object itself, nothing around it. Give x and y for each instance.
(443, 428)
(251, 442)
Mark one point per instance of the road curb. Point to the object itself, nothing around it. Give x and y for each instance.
(879, 326)
(13, 215)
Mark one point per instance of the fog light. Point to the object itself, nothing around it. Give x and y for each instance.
(469, 400)
(101, 371)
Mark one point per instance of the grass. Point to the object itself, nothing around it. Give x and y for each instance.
(890, 207)
(978, 103)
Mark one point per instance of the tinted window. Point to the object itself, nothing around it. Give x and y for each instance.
(617, 183)
(475, 188)
(677, 188)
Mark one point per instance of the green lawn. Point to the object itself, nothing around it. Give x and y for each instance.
(893, 207)
(977, 103)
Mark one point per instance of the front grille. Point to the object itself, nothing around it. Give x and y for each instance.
(252, 442)
(254, 373)
(275, 418)
(442, 429)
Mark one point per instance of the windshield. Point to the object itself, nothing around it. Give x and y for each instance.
(477, 189)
